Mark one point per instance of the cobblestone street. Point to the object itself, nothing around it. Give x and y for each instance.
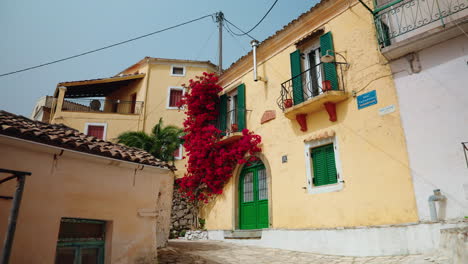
(212, 252)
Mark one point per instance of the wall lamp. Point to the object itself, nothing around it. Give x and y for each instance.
(330, 58)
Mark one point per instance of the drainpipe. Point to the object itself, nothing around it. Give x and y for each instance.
(436, 197)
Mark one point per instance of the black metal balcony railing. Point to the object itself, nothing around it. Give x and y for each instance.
(102, 106)
(231, 123)
(400, 17)
(312, 82)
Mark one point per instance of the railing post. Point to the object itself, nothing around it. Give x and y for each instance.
(13, 219)
(59, 102)
(440, 13)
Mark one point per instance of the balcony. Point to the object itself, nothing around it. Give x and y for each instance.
(316, 92)
(405, 26)
(92, 105)
(232, 130)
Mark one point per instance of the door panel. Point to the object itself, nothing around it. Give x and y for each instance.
(253, 198)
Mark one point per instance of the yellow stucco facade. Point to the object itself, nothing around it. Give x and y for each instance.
(375, 185)
(152, 90)
(133, 199)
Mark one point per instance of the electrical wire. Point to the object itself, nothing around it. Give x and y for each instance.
(266, 14)
(106, 47)
(164, 99)
(230, 30)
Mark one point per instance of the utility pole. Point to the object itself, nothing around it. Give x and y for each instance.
(220, 19)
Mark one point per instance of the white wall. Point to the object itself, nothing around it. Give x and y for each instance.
(434, 112)
(359, 241)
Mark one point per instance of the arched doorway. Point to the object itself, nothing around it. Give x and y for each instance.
(253, 196)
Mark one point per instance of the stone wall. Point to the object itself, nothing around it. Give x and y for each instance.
(182, 216)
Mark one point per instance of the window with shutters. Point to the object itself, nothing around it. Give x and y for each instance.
(323, 166)
(175, 95)
(309, 76)
(96, 130)
(232, 111)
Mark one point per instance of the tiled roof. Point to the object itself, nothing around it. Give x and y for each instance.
(63, 136)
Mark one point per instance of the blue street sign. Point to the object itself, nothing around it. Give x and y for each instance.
(367, 99)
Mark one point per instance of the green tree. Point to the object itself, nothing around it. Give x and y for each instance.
(161, 143)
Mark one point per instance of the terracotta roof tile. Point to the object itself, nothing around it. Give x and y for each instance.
(66, 137)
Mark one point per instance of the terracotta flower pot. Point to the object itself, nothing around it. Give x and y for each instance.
(234, 127)
(326, 86)
(288, 103)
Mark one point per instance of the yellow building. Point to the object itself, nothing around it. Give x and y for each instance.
(133, 100)
(334, 175)
(78, 199)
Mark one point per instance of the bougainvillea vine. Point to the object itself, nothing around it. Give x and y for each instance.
(210, 164)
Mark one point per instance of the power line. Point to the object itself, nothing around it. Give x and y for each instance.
(106, 47)
(230, 30)
(266, 14)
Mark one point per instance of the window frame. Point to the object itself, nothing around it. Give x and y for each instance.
(169, 89)
(307, 66)
(96, 124)
(232, 116)
(181, 149)
(177, 66)
(311, 188)
(77, 244)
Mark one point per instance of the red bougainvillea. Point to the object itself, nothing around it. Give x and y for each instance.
(210, 164)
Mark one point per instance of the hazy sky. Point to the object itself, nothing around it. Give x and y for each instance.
(35, 32)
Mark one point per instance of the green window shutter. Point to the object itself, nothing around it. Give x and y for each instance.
(320, 166)
(222, 113)
(331, 165)
(329, 69)
(298, 92)
(241, 107)
(383, 32)
(323, 160)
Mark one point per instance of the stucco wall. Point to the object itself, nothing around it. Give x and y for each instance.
(377, 186)
(116, 124)
(434, 115)
(80, 186)
(160, 80)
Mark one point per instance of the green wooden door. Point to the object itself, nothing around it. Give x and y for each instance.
(253, 198)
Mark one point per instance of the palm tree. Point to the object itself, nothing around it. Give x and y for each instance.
(161, 143)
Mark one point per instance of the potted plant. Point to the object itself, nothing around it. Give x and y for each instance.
(234, 127)
(326, 86)
(287, 103)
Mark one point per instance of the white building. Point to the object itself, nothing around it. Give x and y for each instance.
(426, 43)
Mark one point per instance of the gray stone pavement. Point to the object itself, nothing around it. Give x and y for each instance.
(213, 252)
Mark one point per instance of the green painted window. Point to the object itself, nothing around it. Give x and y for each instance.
(329, 69)
(296, 70)
(222, 118)
(324, 165)
(241, 106)
(232, 110)
(80, 241)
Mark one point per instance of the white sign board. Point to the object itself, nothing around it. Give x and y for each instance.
(387, 110)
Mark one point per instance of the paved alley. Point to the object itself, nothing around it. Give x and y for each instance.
(212, 252)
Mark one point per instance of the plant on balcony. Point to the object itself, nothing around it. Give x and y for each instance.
(288, 103)
(161, 143)
(210, 164)
(234, 127)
